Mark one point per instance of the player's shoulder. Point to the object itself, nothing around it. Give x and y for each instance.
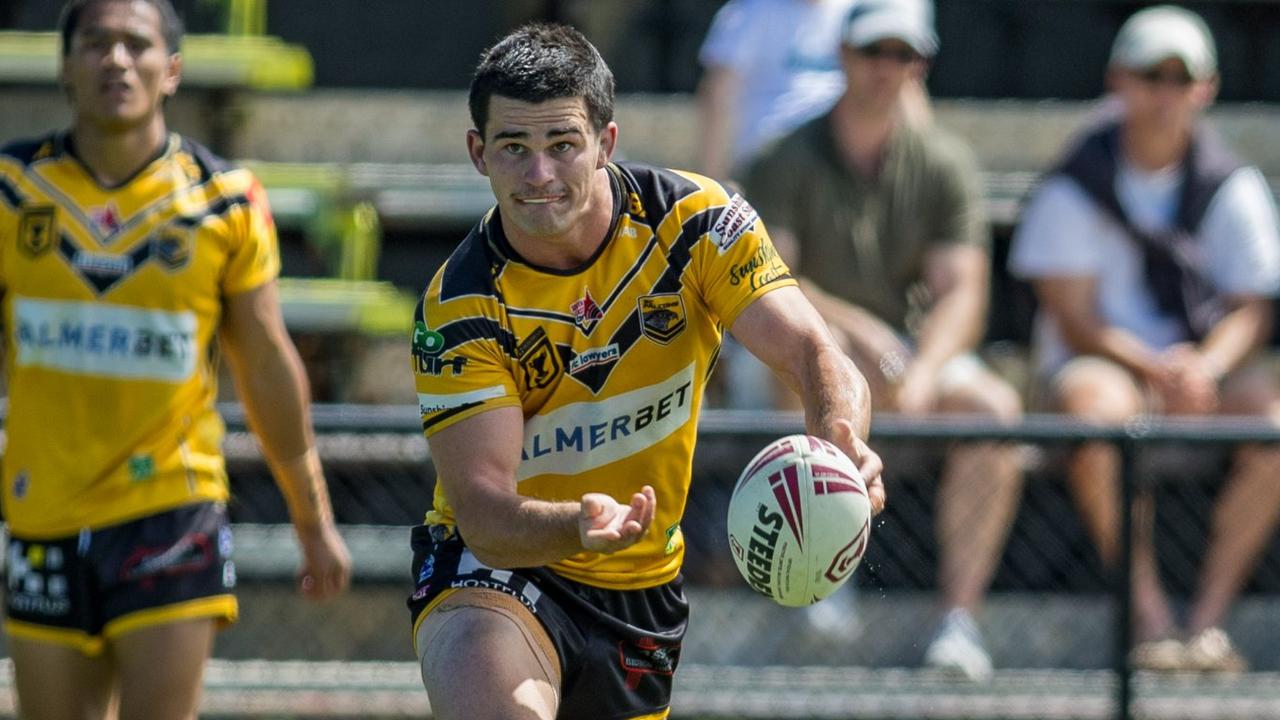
(204, 166)
(656, 191)
(26, 151)
(468, 273)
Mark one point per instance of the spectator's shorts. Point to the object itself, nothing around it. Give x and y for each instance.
(88, 588)
(618, 649)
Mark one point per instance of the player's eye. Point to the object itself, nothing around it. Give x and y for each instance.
(514, 149)
(562, 147)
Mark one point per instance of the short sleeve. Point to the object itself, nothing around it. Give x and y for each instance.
(254, 253)
(1058, 234)
(728, 43)
(960, 212)
(737, 263)
(1240, 229)
(459, 361)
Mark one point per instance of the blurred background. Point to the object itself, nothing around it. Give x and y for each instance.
(353, 114)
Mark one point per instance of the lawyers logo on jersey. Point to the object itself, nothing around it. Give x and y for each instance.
(736, 219)
(37, 230)
(661, 316)
(539, 360)
(586, 312)
(593, 358)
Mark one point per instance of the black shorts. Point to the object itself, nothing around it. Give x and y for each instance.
(98, 584)
(618, 648)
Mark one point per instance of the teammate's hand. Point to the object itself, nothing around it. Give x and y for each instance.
(868, 462)
(606, 525)
(326, 564)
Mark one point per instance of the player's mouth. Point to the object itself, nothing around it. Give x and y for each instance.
(116, 87)
(539, 200)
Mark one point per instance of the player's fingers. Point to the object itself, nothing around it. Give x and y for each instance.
(877, 496)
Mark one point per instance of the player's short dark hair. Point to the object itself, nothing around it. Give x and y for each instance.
(540, 62)
(170, 24)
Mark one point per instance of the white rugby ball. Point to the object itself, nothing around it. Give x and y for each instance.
(799, 520)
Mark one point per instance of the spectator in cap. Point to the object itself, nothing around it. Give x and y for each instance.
(1154, 253)
(883, 222)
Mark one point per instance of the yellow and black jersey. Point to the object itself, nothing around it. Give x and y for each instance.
(607, 361)
(111, 299)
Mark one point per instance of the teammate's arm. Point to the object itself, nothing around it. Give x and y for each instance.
(476, 461)
(273, 388)
(787, 334)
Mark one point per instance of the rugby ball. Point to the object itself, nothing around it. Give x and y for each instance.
(799, 520)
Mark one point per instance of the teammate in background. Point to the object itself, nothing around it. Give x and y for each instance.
(883, 220)
(1127, 327)
(561, 355)
(124, 249)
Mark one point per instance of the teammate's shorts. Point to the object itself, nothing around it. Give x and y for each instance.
(89, 588)
(618, 648)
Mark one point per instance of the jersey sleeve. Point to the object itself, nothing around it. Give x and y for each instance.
(729, 42)
(460, 355)
(736, 261)
(254, 257)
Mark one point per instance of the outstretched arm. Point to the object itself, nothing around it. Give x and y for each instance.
(476, 461)
(273, 388)
(787, 334)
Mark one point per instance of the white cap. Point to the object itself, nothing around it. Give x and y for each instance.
(1156, 34)
(910, 21)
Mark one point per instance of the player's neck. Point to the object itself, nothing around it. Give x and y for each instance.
(114, 156)
(577, 245)
(863, 133)
(1153, 149)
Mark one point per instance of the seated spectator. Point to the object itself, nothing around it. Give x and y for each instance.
(1127, 325)
(882, 221)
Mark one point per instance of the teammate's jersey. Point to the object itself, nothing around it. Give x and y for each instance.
(112, 297)
(607, 361)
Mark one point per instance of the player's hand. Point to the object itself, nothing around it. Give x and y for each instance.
(606, 525)
(868, 462)
(326, 564)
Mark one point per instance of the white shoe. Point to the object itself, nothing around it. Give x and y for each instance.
(957, 648)
(835, 617)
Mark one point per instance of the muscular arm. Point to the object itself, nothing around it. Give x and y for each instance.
(273, 389)
(784, 330)
(476, 461)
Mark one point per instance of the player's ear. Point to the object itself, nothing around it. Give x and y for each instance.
(475, 149)
(608, 143)
(172, 75)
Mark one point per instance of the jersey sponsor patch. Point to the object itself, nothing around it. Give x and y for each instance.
(661, 316)
(583, 436)
(105, 340)
(735, 220)
(37, 230)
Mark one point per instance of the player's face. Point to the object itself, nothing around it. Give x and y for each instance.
(541, 160)
(1162, 96)
(876, 73)
(118, 69)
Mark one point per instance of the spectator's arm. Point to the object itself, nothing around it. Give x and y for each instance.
(717, 94)
(273, 388)
(1243, 331)
(1070, 302)
(958, 278)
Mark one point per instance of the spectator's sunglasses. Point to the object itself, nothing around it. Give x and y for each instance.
(898, 54)
(1171, 78)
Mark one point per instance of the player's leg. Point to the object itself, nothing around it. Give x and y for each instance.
(484, 656)
(161, 669)
(59, 682)
(1248, 508)
(1098, 391)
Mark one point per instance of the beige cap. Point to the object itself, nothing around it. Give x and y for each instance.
(1157, 34)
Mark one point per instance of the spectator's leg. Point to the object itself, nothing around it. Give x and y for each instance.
(978, 496)
(1248, 508)
(1098, 391)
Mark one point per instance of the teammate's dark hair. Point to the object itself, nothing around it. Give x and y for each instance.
(540, 62)
(170, 23)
